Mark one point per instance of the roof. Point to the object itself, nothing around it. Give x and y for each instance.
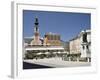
(78, 36)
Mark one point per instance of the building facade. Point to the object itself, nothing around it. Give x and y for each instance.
(75, 45)
(81, 45)
(52, 39)
(86, 44)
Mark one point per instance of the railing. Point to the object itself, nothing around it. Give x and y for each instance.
(42, 46)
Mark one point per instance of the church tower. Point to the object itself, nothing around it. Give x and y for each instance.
(36, 29)
(36, 39)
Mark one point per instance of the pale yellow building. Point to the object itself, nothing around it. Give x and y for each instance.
(52, 39)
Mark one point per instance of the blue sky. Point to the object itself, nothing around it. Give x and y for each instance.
(67, 24)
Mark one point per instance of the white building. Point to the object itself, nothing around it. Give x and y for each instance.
(85, 37)
(81, 45)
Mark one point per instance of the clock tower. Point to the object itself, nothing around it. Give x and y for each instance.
(36, 39)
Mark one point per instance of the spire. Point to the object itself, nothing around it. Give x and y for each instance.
(36, 23)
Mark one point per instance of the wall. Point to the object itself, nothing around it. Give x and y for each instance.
(5, 42)
(75, 46)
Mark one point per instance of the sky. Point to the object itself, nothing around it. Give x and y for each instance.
(66, 24)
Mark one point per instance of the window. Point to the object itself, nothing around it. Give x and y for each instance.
(83, 47)
(87, 47)
(85, 37)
